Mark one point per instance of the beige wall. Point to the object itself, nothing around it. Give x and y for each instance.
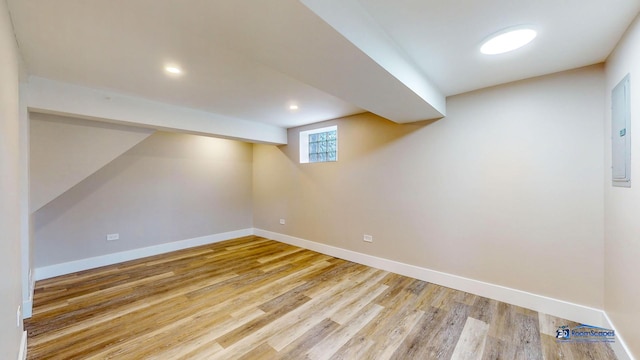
(622, 205)
(167, 188)
(506, 189)
(64, 151)
(10, 289)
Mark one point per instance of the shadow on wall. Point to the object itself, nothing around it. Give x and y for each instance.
(359, 135)
(156, 156)
(327, 202)
(169, 187)
(65, 150)
(70, 198)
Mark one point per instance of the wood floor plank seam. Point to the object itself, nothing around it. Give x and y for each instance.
(255, 298)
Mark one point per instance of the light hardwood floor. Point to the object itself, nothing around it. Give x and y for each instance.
(253, 298)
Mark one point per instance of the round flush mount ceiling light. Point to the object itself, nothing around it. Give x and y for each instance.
(293, 107)
(508, 40)
(173, 69)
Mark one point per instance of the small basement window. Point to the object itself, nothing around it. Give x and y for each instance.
(319, 145)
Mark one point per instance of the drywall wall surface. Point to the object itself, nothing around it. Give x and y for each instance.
(506, 189)
(64, 151)
(169, 187)
(622, 205)
(10, 172)
(26, 241)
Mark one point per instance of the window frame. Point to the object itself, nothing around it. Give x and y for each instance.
(304, 143)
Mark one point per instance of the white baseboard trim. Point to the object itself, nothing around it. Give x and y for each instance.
(547, 305)
(544, 304)
(563, 309)
(27, 305)
(22, 355)
(50, 271)
(619, 346)
(27, 308)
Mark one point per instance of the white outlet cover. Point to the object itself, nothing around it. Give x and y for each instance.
(367, 238)
(282, 221)
(111, 237)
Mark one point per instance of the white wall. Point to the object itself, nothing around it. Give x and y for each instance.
(10, 208)
(169, 187)
(622, 205)
(26, 241)
(507, 189)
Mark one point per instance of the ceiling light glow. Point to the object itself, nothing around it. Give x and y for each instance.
(171, 69)
(293, 107)
(508, 40)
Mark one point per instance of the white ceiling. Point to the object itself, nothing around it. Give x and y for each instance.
(443, 37)
(249, 59)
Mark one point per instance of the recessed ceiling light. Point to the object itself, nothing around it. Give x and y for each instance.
(172, 69)
(293, 107)
(508, 40)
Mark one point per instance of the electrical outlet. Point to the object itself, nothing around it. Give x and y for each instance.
(367, 238)
(282, 221)
(19, 315)
(111, 237)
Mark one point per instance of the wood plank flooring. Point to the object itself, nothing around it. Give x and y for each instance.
(253, 298)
